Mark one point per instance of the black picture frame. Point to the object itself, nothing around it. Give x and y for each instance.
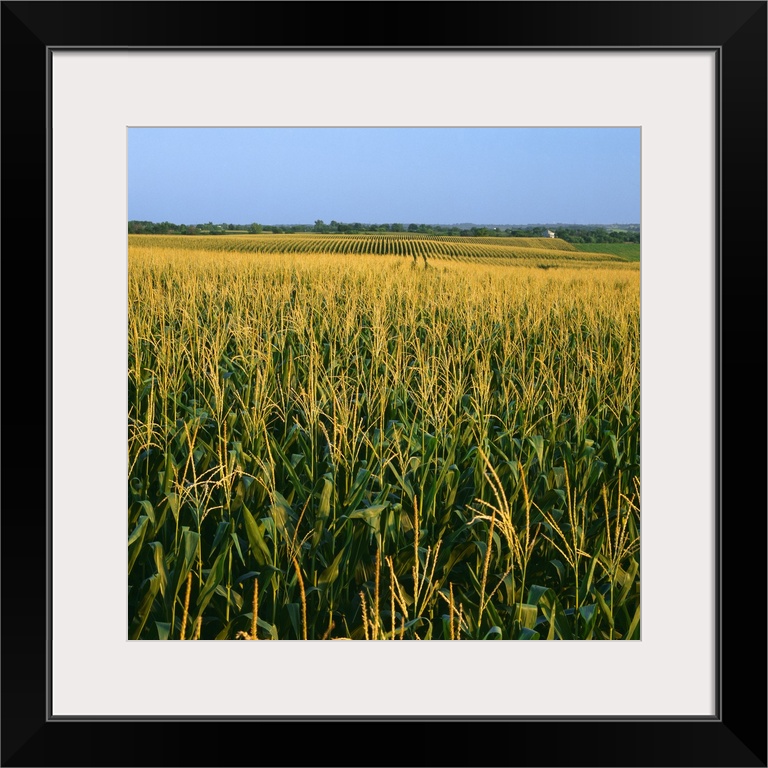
(736, 736)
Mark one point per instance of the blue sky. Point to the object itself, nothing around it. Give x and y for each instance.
(384, 175)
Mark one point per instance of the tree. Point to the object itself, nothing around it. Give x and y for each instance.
(255, 229)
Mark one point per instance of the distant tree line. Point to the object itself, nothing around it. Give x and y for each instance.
(595, 234)
(136, 227)
(625, 233)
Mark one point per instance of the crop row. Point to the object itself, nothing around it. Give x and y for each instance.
(415, 247)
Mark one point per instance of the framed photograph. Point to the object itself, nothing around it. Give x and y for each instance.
(81, 82)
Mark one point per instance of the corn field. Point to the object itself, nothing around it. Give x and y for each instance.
(519, 250)
(328, 441)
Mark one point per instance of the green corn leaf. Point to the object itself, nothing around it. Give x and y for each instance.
(285, 463)
(559, 568)
(558, 477)
(604, 607)
(613, 445)
(236, 540)
(586, 583)
(294, 614)
(629, 582)
(149, 511)
(234, 598)
(157, 552)
(357, 491)
(215, 575)
(245, 577)
(331, 573)
(221, 532)
(323, 510)
(588, 614)
(138, 530)
(546, 599)
(256, 541)
(633, 633)
(537, 442)
(371, 515)
(185, 562)
(163, 630)
(145, 606)
(282, 514)
(135, 540)
(265, 625)
(404, 481)
(526, 614)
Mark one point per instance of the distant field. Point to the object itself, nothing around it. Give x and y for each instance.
(629, 251)
(523, 251)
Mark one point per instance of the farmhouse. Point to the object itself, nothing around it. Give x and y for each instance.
(550, 233)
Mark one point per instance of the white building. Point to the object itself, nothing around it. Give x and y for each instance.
(550, 233)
